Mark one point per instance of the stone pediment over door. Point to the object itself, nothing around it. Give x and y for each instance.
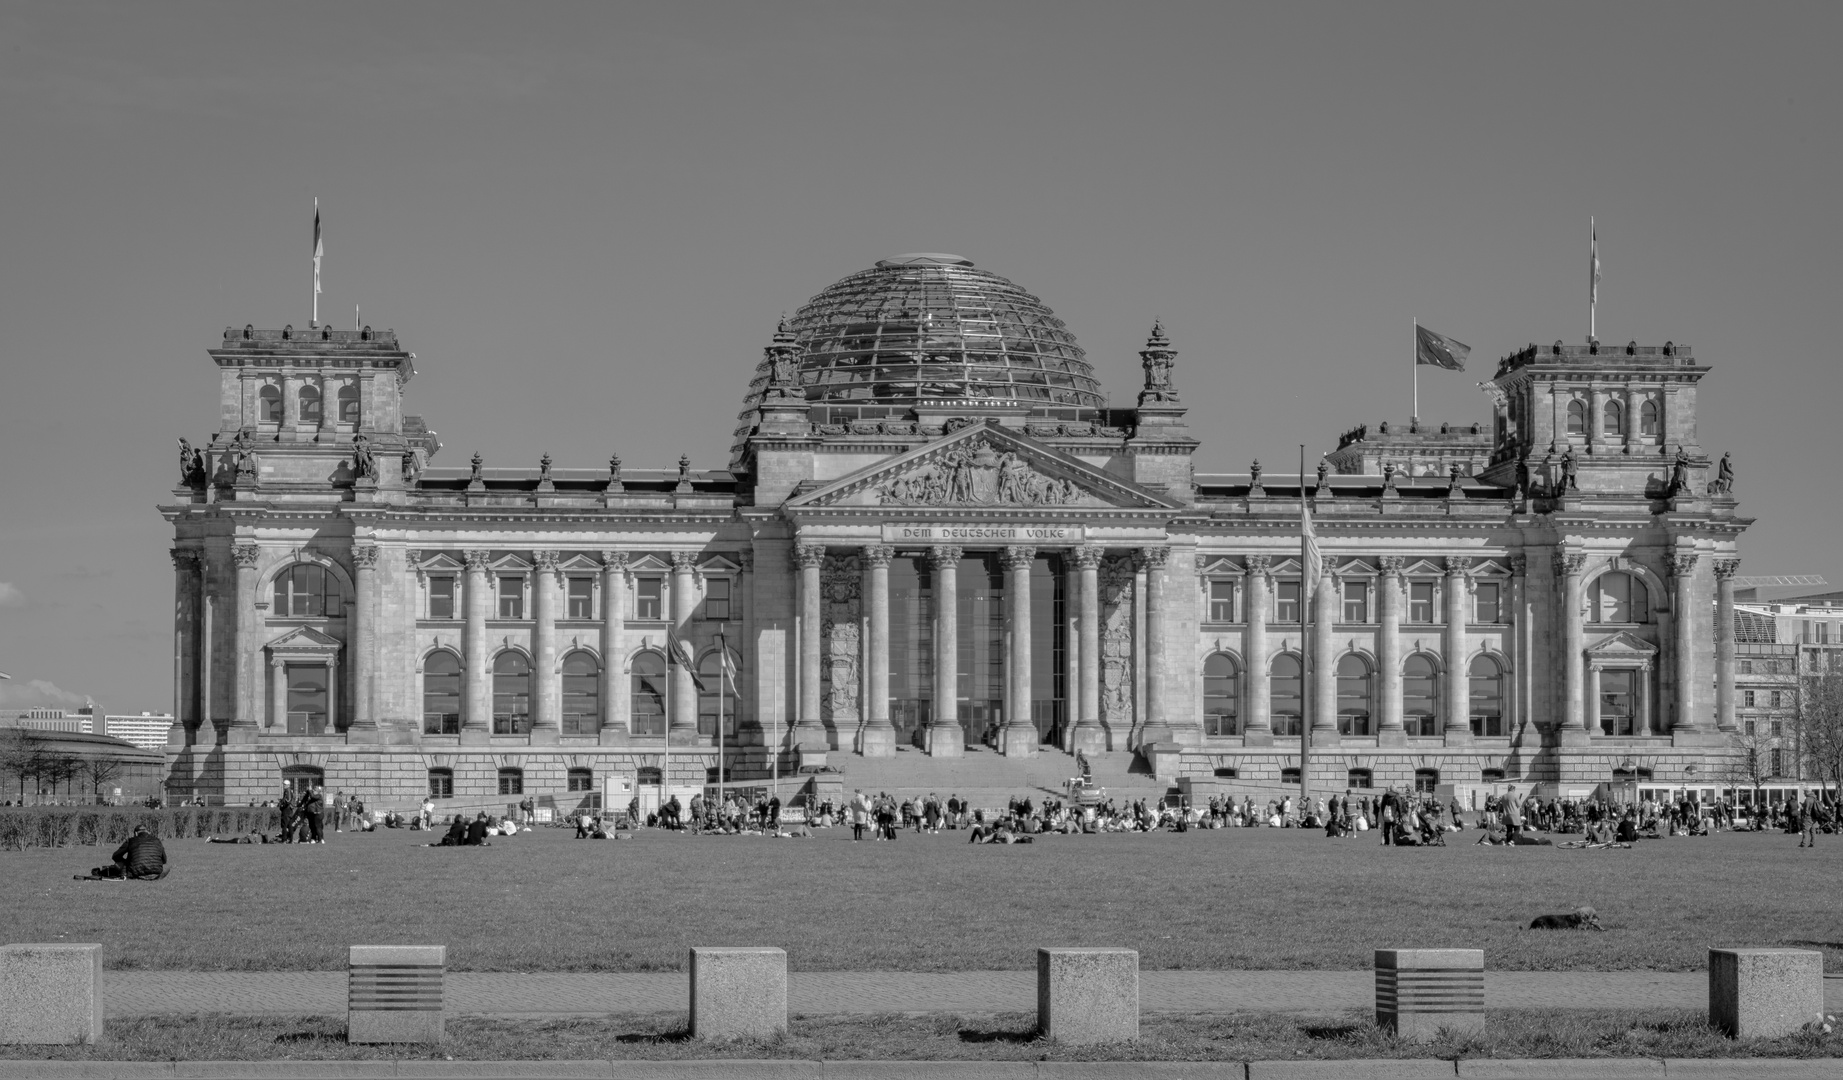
(1623, 646)
(982, 467)
(303, 643)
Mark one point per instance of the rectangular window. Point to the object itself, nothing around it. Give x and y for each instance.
(582, 598)
(1810, 634)
(580, 780)
(1777, 700)
(1747, 698)
(511, 781)
(307, 698)
(1356, 601)
(1778, 728)
(717, 599)
(1746, 667)
(647, 593)
(1485, 603)
(1750, 727)
(441, 783)
(1221, 600)
(1776, 766)
(441, 598)
(1420, 601)
(511, 597)
(1286, 602)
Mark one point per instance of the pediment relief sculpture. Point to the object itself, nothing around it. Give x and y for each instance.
(977, 473)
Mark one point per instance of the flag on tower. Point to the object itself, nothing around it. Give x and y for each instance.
(1438, 350)
(319, 247)
(1593, 258)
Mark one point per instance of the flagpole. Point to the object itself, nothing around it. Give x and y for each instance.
(722, 670)
(316, 319)
(1306, 701)
(665, 752)
(1593, 278)
(1414, 358)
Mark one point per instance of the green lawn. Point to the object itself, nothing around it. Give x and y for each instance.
(1236, 898)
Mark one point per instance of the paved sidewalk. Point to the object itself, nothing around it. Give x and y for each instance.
(166, 993)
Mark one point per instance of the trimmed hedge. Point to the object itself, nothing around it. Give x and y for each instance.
(69, 826)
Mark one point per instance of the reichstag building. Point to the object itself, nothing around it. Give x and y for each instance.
(934, 535)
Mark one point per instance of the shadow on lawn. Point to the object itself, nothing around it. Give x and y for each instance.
(998, 1035)
(655, 1037)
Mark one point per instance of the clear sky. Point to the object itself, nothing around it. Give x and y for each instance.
(585, 220)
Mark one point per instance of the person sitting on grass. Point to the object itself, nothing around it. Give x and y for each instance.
(1628, 828)
(140, 858)
(243, 838)
(477, 831)
(456, 835)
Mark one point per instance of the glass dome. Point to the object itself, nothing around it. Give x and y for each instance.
(927, 327)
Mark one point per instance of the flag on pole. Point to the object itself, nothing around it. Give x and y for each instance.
(1438, 350)
(1593, 259)
(319, 247)
(678, 651)
(1314, 559)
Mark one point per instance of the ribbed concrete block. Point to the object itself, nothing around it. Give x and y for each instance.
(1765, 993)
(1088, 995)
(50, 994)
(738, 993)
(394, 993)
(1422, 992)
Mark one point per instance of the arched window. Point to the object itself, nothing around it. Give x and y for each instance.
(1647, 418)
(648, 774)
(1487, 697)
(348, 404)
(1426, 781)
(1618, 597)
(306, 591)
(1221, 681)
(1577, 417)
(1285, 693)
(441, 783)
(718, 693)
(1353, 695)
(441, 694)
(511, 694)
(649, 694)
(582, 679)
(580, 780)
(1614, 423)
(269, 402)
(1360, 778)
(511, 781)
(308, 405)
(1420, 690)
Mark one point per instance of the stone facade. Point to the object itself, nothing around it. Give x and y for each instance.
(946, 569)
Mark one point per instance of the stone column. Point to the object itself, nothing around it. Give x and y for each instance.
(1592, 703)
(1683, 621)
(1570, 728)
(1641, 702)
(1019, 736)
(614, 697)
(547, 689)
(332, 694)
(945, 738)
(809, 734)
(249, 642)
(1089, 736)
(1257, 729)
(477, 706)
(185, 625)
(1632, 401)
(1458, 704)
(1517, 710)
(879, 733)
(1151, 565)
(278, 695)
(1389, 730)
(1324, 665)
(364, 726)
(1596, 416)
(1725, 569)
(682, 724)
(207, 643)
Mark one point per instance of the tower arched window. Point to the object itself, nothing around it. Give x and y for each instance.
(648, 689)
(1353, 695)
(1577, 417)
(718, 694)
(308, 401)
(582, 680)
(1618, 597)
(1221, 699)
(348, 404)
(1420, 694)
(511, 694)
(306, 591)
(1614, 422)
(269, 404)
(1486, 695)
(1286, 694)
(441, 694)
(1648, 418)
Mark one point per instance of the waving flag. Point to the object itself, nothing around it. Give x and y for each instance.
(319, 247)
(678, 651)
(1314, 559)
(1438, 350)
(1593, 259)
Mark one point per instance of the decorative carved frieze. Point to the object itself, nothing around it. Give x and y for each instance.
(1116, 589)
(977, 473)
(841, 593)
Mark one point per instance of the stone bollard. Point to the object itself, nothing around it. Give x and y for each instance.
(738, 993)
(394, 993)
(1764, 993)
(1420, 992)
(50, 993)
(1088, 995)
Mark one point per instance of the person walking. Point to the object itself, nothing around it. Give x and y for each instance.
(311, 809)
(860, 814)
(338, 807)
(1807, 820)
(287, 809)
(527, 811)
(428, 812)
(1513, 814)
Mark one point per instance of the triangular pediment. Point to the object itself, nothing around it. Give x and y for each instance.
(305, 640)
(982, 467)
(1623, 644)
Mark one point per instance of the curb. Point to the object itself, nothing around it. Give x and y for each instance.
(802, 1069)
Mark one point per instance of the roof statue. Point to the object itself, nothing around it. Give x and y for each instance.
(1158, 358)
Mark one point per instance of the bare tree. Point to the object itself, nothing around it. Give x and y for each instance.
(60, 769)
(99, 771)
(1819, 724)
(1751, 764)
(17, 751)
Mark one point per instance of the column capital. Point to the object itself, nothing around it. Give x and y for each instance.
(1725, 569)
(878, 554)
(614, 562)
(364, 556)
(246, 555)
(809, 556)
(546, 559)
(476, 560)
(1089, 556)
(685, 561)
(1153, 558)
(746, 560)
(1392, 565)
(1519, 565)
(1258, 565)
(1457, 565)
(1017, 557)
(941, 555)
(1569, 563)
(185, 558)
(1681, 563)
